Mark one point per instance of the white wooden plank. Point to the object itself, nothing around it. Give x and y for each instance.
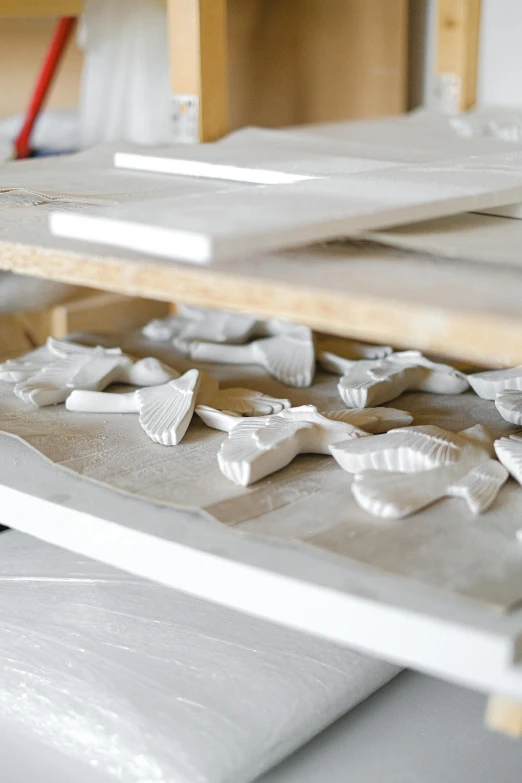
(382, 615)
(341, 199)
(469, 237)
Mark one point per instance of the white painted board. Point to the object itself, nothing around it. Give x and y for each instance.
(388, 616)
(338, 196)
(470, 237)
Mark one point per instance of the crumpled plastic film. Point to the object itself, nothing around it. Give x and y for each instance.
(149, 685)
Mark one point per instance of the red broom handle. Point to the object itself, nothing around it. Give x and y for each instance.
(61, 37)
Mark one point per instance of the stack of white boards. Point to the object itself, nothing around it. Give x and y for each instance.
(260, 191)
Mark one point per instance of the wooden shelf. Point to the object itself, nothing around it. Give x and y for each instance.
(462, 310)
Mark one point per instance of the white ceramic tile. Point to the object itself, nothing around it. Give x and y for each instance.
(339, 199)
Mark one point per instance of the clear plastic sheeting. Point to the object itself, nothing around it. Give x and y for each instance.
(146, 684)
(125, 92)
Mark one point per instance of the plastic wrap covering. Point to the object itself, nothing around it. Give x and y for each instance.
(125, 92)
(149, 685)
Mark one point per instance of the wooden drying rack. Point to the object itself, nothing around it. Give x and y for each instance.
(197, 30)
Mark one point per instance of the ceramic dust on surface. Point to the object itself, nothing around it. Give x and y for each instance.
(334, 197)
(261, 446)
(403, 471)
(48, 375)
(149, 684)
(376, 381)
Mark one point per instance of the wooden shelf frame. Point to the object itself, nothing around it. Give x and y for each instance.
(367, 292)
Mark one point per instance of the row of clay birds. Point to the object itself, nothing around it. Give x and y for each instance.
(397, 468)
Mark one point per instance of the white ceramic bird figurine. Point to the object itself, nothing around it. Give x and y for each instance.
(488, 384)
(509, 405)
(202, 324)
(288, 356)
(405, 470)
(48, 375)
(372, 382)
(509, 452)
(165, 411)
(259, 446)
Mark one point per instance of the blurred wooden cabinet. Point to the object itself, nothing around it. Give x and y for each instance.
(282, 62)
(297, 61)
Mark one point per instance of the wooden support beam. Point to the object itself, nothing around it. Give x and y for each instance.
(198, 47)
(93, 311)
(458, 31)
(504, 715)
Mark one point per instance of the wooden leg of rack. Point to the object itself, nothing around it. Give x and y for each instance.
(198, 49)
(504, 715)
(458, 30)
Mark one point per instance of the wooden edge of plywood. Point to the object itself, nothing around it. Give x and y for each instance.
(481, 336)
(504, 716)
(458, 33)
(198, 48)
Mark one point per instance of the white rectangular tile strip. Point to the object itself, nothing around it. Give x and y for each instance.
(339, 196)
(146, 683)
(390, 617)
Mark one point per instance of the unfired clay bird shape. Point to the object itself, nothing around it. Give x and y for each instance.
(509, 452)
(405, 470)
(288, 356)
(257, 447)
(488, 384)
(202, 324)
(165, 411)
(48, 375)
(373, 382)
(509, 405)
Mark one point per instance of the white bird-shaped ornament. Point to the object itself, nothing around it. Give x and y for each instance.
(509, 452)
(509, 405)
(259, 446)
(202, 324)
(405, 470)
(48, 375)
(375, 381)
(488, 384)
(165, 411)
(288, 356)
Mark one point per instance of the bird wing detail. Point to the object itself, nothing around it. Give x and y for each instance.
(509, 452)
(257, 447)
(166, 410)
(51, 384)
(289, 357)
(480, 486)
(405, 450)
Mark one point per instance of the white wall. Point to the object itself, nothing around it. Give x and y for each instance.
(500, 64)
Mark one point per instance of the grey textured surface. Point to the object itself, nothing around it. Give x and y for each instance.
(414, 730)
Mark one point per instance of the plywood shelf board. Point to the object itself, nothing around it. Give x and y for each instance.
(311, 591)
(369, 292)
